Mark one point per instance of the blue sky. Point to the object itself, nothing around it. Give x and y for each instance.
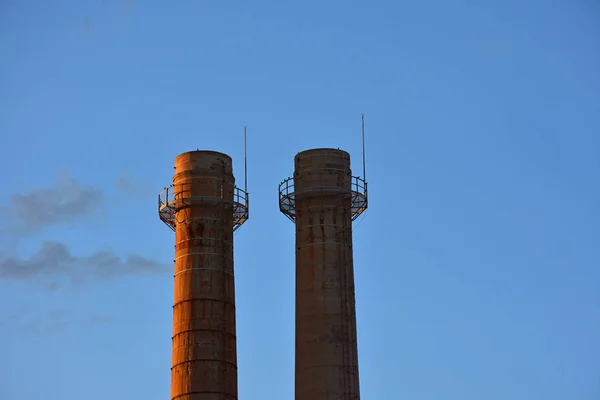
(476, 264)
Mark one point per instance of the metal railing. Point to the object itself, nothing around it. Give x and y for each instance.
(166, 207)
(168, 198)
(287, 197)
(241, 207)
(359, 196)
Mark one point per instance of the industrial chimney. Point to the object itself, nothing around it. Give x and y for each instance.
(322, 199)
(204, 208)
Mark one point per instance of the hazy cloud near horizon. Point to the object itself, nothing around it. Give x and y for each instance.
(125, 183)
(63, 202)
(50, 321)
(54, 264)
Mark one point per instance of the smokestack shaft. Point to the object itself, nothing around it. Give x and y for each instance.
(204, 363)
(326, 344)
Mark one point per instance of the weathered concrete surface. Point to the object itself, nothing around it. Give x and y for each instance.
(204, 331)
(326, 346)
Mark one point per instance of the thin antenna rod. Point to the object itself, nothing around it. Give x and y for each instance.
(363, 148)
(245, 164)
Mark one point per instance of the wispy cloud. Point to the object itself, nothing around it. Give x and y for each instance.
(55, 321)
(43, 322)
(54, 264)
(126, 184)
(128, 4)
(65, 201)
(100, 319)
